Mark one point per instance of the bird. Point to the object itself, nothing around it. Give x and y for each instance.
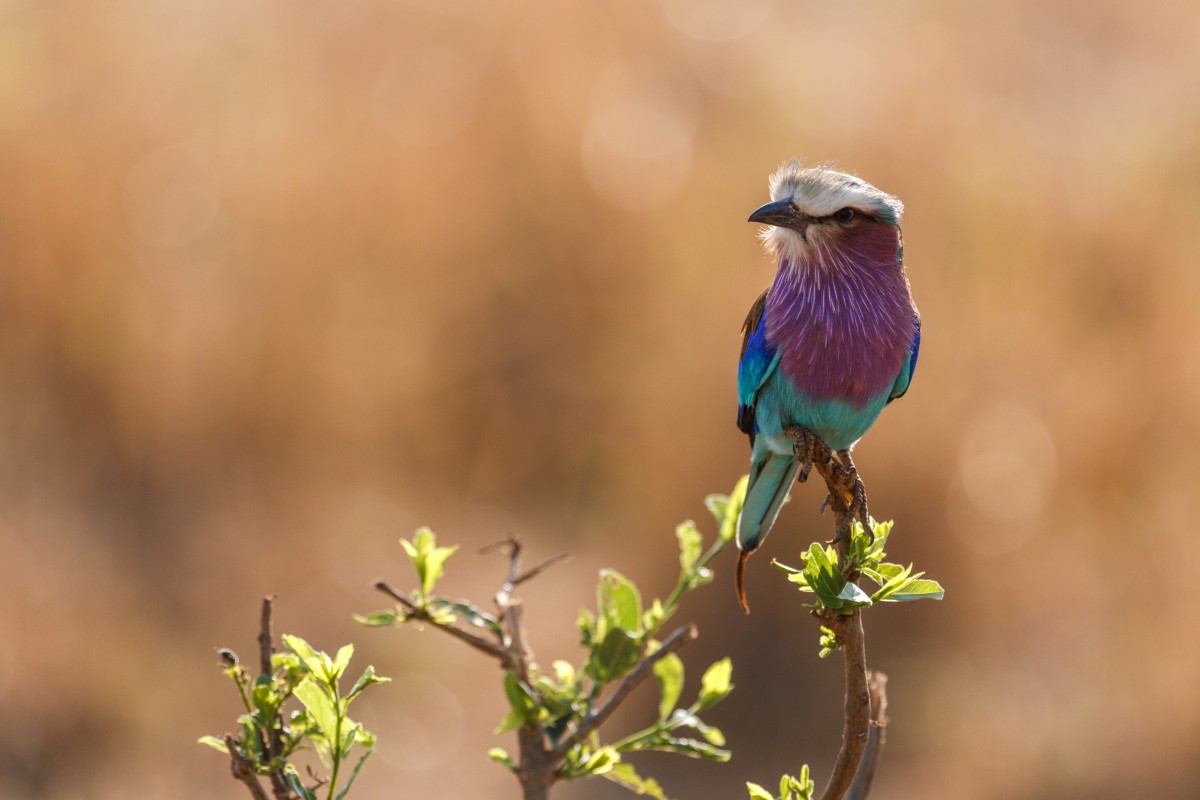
(830, 342)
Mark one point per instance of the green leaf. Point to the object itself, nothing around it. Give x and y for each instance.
(687, 747)
(686, 718)
(554, 700)
(716, 684)
(726, 510)
(800, 788)
(266, 698)
(700, 577)
(653, 616)
(251, 743)
(757, 792)
(501, 757)
(316, 661)
(354, 775)
(713, 735)
(829, 642)
(619, 601)
(669, 671)
(428, 559)
(321, 707)
(300, 648)
(350, 732)
(589, 628)
(917, 590)
(342, 660)
(214, 743)
(368, 678)
(854, 596)
(625, 775)
(523, 704)
(473, 615)
(600, 762)
(363, 737)
(293, 782)
(564, 673)
(513, 720)
(614, 657)
(381, 619)
(822, 575)
(690, 545)
(518, 696)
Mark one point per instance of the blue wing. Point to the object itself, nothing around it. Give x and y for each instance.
(757, 361)
(905, 377)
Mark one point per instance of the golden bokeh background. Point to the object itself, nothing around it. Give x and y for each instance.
(282, 281)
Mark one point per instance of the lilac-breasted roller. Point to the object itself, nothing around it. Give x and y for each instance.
(832, 341)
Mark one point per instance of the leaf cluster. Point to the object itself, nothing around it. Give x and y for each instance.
(790, 788)
(620, 637)
(834, 580)
(268, 738)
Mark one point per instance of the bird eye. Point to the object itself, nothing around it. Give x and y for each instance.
(845, 215)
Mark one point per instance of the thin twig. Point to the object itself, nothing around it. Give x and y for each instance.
(273, 739)
(677, 639)
(266, 637)
(877, 683)
(540, 568)
(479, 643)
(514, 570)
(396, 595)
(242, 769)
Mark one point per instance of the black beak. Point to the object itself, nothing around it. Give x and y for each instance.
(782, 214)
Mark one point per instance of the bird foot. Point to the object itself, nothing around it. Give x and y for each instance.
(809, 449)
(846, 476)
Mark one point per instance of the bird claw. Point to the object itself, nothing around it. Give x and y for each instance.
(858, 495)
(808, 449)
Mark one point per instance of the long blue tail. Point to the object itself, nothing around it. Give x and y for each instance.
(771, 476)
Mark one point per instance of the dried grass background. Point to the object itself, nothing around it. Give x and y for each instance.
(281, 281)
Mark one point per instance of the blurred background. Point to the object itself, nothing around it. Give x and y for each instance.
(280, 282)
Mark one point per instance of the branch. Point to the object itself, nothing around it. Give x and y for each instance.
(677, 639)
(515, 576)
(540, 568)
(847, 497)
(478, 642)
(877, 683)
(272, 739)
(857, 712)
(242, 769)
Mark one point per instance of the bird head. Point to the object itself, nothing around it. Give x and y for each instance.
(817, 213)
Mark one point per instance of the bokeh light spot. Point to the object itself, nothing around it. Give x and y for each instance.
(637, 142)
(1007, 470)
